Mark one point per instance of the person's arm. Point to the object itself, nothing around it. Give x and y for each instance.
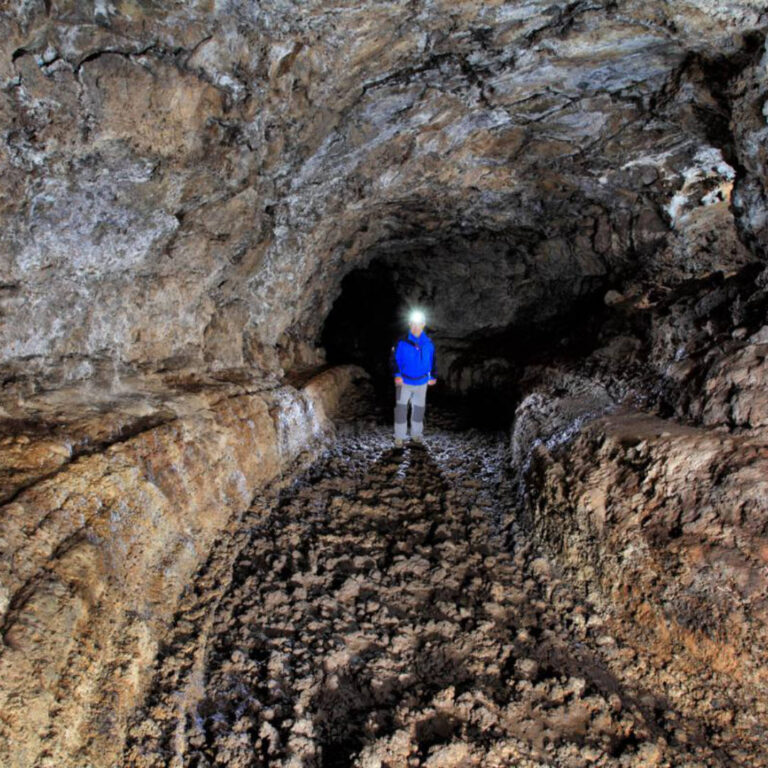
(433, 367)
(394, 366)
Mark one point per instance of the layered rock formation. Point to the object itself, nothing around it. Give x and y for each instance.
(660, 514)
(577, 191)
(105, 519)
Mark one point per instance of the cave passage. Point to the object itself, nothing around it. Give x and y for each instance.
(215, 218)
(484, 338)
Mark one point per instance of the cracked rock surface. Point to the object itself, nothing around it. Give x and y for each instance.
(186, 184)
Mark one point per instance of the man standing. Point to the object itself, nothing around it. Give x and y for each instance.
(413, 365)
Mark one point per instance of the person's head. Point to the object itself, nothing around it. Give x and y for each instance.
(416, 321)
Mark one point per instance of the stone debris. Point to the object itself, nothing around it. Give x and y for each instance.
(387, 609)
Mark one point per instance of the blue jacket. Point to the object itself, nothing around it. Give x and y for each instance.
(413, 358)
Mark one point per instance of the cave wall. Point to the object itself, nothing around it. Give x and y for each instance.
(665, 526)
(641, 468)
(186, 185)
(104, 521)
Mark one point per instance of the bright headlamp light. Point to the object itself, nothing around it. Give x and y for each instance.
(417, 316)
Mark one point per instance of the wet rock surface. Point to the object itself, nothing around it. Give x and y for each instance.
(386, 608)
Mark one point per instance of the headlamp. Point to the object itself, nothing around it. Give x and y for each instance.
(417, 316)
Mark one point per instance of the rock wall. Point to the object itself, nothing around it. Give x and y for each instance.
(103, 524)
(667, 526)
(185, 185)
(642, 469)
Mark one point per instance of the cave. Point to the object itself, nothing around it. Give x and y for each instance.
(489, 314)
(216, 219)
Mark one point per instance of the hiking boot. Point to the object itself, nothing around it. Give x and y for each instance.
(398, 442)
(418, 441)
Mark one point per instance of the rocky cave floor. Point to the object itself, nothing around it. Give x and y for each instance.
(383, 608)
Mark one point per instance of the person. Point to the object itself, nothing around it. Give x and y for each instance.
(414, 367)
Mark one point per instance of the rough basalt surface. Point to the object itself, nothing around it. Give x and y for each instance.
(204, 204)
(185, 185)
(105, 520)
(669, 526)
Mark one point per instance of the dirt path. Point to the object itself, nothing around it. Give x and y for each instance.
(380, 611)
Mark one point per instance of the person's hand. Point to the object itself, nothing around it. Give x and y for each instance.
(398, 381)
(432, 381)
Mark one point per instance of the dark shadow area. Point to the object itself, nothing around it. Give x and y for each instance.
(365, 320)
(480, 367)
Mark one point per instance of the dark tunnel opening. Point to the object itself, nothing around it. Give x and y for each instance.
(365, 320)
(480, 367)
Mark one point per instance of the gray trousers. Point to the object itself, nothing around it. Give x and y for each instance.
(416, 395)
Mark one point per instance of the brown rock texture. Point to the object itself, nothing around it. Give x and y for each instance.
(388, 609)
(102, 528)
(185, 185)
(666, 525)
(206, 208)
